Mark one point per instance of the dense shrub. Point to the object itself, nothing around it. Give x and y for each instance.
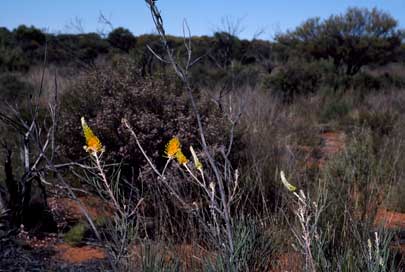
(13, 89)
(155, 107)
(13, 60)
(380, 123)
(122, 38)
(352, 40)
(334, 109)
(295, 79)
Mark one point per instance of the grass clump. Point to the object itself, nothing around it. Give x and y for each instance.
(76, 234)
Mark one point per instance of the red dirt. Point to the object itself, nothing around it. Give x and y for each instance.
(63, 251)
(290, 261)
(189, 256)
(75, 255)
(67, 210)
(332, 142)
(389, 219)
(70, 210)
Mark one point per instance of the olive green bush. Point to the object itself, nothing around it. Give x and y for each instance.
(295, 79)
(351, 40)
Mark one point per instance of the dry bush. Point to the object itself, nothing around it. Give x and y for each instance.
(156, 107)
(274, 136)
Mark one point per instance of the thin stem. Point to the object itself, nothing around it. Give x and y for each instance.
(101, 173)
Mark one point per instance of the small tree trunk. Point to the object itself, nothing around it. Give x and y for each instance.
(26, 193)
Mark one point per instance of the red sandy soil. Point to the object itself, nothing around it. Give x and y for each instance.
(76, 255)
(389, 219)
(394, 221)
(63, 251)
(189, 256)
(332, 142)
(290, 261)
(70, 210)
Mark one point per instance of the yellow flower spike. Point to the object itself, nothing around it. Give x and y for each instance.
(93, 144)
(172, 147)
(181, 159)
(289, 186)
(197, 162)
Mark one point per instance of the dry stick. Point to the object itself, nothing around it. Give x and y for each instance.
(183, 75)
(105, 181)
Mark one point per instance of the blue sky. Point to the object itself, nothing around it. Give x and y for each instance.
(203, 16)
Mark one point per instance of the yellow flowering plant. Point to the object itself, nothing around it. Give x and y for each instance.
(172, 147)
(93, 143)
(181, 159)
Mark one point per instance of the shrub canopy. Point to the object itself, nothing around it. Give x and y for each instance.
(351, 40)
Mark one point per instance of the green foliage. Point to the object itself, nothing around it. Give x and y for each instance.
(353, 184)
(226, 48)
(76, 234)
(13, 60)
(354, 39)
(122, 38)
(90, 46)
(380, 123)
(13, 89)
(6, 37)
(154, 261)
(29, 38)
(356, 181)
(395, 199)
(253, 249)
(295, 79)
(334, 109)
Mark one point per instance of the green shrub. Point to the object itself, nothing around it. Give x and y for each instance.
(395, 200)
(380, 123)
(334, 109)
(253, 249)
(391, 81)
(295, 79)
(154, 261)
(13, 60)
(354, 183)
(76, 234)
(13, 89)
(365, 83)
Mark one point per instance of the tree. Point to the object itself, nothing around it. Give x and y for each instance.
(226, 47)
(122, 38)
(29, 38)
(351, 40)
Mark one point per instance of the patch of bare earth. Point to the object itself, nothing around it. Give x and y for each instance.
(76, 255)
(67, 212)
(290, 261)
(70, 209)
(332, 142)
(389, 219)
